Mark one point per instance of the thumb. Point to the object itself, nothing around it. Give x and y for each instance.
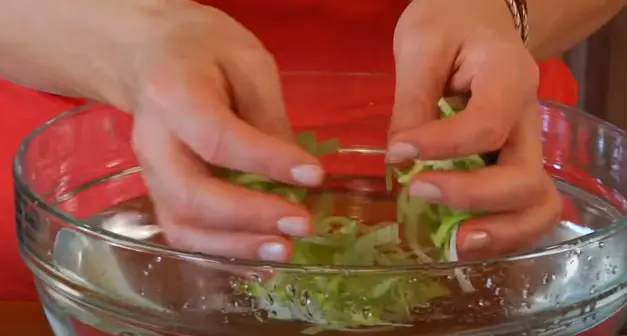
(423, 66)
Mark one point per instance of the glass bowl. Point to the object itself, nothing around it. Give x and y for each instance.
(78, 170)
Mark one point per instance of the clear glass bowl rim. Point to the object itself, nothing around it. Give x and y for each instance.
(23, 188)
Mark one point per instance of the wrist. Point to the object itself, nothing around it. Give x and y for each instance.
(503, 15)
(94, 50)
(119, 52)
(149, 38)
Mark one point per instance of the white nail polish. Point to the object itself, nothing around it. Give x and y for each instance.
(400, 151)
(310, 175)
(425, 190)
(273, 251)
(475, 241)
(293, 226)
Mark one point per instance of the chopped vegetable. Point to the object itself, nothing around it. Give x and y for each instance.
(331, 301)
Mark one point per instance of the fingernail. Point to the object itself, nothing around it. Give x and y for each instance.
(307, 174)
(293, 226)
(475, 241)
(273, 252)
(400, 151)
(425, 190)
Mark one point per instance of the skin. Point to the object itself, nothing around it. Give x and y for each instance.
(218, 101)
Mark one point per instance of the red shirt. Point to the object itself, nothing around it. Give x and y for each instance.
(322, 35)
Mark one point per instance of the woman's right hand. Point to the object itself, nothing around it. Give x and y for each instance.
(207, 93)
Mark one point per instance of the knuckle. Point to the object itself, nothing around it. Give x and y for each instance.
(405, 105)
(525, 68)
(541, 183)
(462, 197)
(410, 39)
(530, 75)
(493, 136)
(417, 17)
(408, 44)
(182, 203)
(554, 206)
(548, 204)
(461, 148)
(174, 235)
(472, 203)
(253, 56)
(532, 70)
(260, 214)
(213, 145)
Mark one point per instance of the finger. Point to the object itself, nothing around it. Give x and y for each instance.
(227, 243)
(515, 183)
(499, 97)
(505, 233)
(495, 188)
(195, 109)
(256, 88)
(423, 66)
(180, 186)
(513, 231)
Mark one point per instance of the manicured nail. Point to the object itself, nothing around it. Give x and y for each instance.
(308, 174)
(293, 226)
(475, 241)
(273, 252)
(400, 152)
(425, 190)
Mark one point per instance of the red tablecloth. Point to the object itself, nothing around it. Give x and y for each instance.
(326, 35)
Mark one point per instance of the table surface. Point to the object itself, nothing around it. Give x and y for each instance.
(23, 318)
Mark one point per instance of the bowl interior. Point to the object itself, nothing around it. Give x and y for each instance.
(80, 170)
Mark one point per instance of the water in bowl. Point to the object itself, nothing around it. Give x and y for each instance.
(159, 295)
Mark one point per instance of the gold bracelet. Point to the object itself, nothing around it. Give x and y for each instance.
(518, 8)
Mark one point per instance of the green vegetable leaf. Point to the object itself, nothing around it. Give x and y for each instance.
(421, 233)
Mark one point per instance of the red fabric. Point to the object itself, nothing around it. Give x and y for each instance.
(311, 35)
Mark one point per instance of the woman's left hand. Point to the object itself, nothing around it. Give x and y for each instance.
(455, 47)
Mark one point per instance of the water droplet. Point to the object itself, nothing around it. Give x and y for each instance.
(305, 298)
(260, 315)
(593, 289)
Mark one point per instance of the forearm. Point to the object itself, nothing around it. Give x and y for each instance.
(71, 47)
(557, 25)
